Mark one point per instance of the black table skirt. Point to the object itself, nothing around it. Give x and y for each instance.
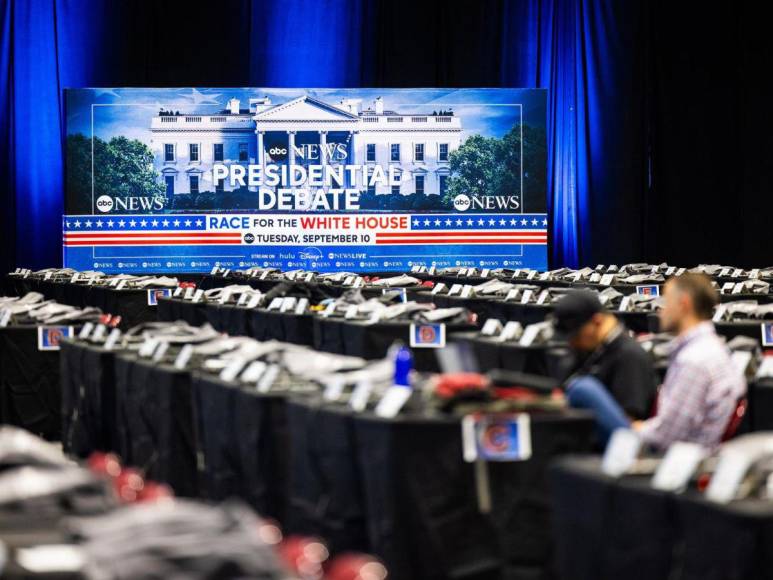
(30, 395)
(546, 360)
(372, 341)
(154, 420)
(421, 502)
(88, 398)
(242, 439)
(609, 529)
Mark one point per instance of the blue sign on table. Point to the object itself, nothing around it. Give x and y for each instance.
(49, 337)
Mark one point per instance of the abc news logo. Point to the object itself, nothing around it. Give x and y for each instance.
(105, 203)
(278, 152)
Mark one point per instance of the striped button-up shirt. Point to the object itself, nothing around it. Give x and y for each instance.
(699, 394)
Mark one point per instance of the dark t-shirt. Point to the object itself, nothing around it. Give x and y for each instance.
(626, 370)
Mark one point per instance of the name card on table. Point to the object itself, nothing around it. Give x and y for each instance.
(679, 464)
(512, 330)
(301, 307)
(112, 339)
(183, 357)
(648, 290)
(767, 333)
(156, 293)
(621, 453)
(358, 402)
(526, 297)
(393, 401)
(428, 335)
(496, 437)
(49, 337)
(86, 330)
(437, 288)
(491, 327)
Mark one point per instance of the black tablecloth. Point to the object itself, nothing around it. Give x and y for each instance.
(242, 439)
(30, 395)
(154, 420)
(551, 360)
(88, 398)
(372, 341)
(609, 529)
(421, 506)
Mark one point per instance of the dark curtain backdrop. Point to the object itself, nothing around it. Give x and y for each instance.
(659, 114)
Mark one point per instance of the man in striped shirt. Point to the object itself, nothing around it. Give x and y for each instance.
(702, 386)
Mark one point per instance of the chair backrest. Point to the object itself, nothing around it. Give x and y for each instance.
(735, 419)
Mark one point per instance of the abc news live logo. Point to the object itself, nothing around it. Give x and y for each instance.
(105, 203)
(464, 202)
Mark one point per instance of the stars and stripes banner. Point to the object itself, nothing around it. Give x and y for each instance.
(195, 242)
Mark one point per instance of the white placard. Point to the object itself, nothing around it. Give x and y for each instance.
(531, 275)
(484, 273)
(177, 291)
(275, 304)
(543, 296)
(513, 329)
(727, 287)
(85, 330)
(491, 327)
(47, 276)
(511, 294)
(719, 312)
(349, 281)
(214, 270)
(680, 462)
(737, 273)
(621, 453)
(263, 275)
(766, 367)
(189, 293)
(351, 312)
(393, 401)
(529, 335)
(232, 370)
(5, 317)
(724, 272)
(624, 304)
(730, 472)
(160, 351)
(254, 301)
(670, 270)
(197, 295)
(361, 395)
(242, 299)
(112, 339)
(455, 289)
(75, 277)
(121, 284)
(183, 357)
(606, 280)
(438, 287)
(334, 388)
(288, 302)
(99, 332)
(301, 307)
(254, 371)
(526, 297)
(466, 291)
(148, 347)
(754, 273)
(267, 380)
(681, 271)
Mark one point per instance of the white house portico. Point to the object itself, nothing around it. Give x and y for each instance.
(306, 131)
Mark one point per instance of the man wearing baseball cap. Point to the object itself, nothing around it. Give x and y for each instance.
(607, 358)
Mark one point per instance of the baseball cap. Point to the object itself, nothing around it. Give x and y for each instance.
(574, 310)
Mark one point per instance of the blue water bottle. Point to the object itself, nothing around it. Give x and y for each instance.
(403, 364)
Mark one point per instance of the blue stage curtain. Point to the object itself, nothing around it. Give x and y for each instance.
(45, 46)
(581, 51)
(307, 43)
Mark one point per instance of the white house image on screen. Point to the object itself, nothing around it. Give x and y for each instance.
(185, 147)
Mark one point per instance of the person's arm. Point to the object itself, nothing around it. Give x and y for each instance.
(681, 405)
